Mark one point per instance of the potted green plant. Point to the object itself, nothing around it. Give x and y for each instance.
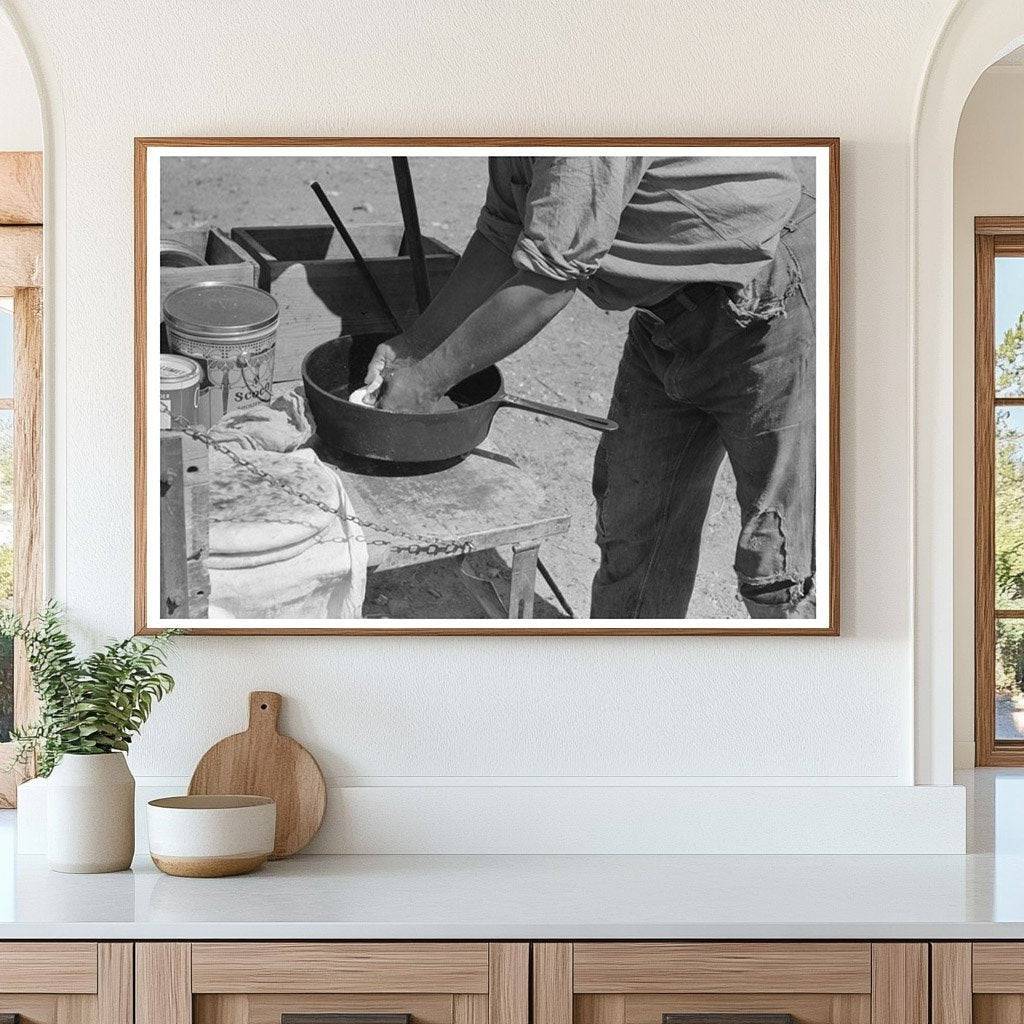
(89, 710)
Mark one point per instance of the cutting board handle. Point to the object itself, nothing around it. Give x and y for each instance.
(264, 711)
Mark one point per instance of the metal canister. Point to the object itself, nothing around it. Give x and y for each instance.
(181, 379)
(178, 254)
(231, 330)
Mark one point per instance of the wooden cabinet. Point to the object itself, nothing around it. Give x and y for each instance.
(494, 983)
(259, 982)
(980, 982)
(650, 982)
(66, 982)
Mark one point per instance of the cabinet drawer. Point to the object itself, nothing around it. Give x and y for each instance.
(998, 967)
(340, 967)
(260, 982)
(271, 1008)
(66, 982)
(733, 982)
(981, 982)
(48, 967)
(630, 967)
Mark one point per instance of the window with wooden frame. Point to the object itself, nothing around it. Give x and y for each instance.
(999, 490)
(21, 350)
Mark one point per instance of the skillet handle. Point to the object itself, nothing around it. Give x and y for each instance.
(582, 419)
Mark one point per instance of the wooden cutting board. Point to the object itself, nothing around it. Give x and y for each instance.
(262, 762)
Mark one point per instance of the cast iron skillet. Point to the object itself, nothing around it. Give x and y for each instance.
(332, 370)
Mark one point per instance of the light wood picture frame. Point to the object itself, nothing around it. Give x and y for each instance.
(158, 606)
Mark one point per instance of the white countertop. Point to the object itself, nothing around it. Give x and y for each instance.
(978, 896)
(532, 897)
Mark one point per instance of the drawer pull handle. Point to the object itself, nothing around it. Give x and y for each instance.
(728, 1018)
(341, 1018)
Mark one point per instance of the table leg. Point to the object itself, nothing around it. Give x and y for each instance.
(484, 591)
(524, 575)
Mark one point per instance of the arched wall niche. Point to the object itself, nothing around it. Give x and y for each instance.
(975, 35)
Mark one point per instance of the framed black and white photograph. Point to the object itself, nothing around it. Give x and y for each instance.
(538, 386)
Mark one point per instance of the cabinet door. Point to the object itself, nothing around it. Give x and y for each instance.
(302, 982)
(66, 982)
(731, 982)
(980, 982)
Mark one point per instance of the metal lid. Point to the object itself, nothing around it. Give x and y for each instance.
(179, 372)
(220, 309)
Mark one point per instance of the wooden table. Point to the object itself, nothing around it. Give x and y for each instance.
(484, 500)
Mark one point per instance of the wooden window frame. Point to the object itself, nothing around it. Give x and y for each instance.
(21, 277)
(993, 236)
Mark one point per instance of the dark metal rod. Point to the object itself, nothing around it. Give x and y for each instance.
(371, 281)
(550, 581)
(581, 419)
(413, 237)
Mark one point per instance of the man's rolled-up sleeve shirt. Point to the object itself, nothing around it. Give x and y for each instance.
(558, 216)
(629, 231)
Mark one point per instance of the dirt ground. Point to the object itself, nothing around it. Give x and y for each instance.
(571, 363)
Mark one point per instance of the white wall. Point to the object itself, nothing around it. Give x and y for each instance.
(443, 713)
(988, 181)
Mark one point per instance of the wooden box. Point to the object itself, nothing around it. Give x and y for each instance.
(226, 261)
(319, 287)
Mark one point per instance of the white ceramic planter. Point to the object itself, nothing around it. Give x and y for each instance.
(90, 814)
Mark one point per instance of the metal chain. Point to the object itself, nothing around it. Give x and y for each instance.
(430, 546)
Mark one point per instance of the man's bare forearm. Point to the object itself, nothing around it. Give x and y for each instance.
(511, 317)
(481, 271)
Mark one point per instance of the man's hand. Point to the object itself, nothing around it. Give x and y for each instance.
(392, 354)
(406, 390)
(460, 334)
(482, 269)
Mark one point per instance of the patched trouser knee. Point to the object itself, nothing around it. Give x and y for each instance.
(772, 588)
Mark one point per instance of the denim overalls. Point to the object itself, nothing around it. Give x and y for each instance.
(735, 375)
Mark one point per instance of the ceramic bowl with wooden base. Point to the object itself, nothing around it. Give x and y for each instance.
(211, 836)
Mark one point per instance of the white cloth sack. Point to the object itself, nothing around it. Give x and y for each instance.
(279, 426)
(273, 555)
